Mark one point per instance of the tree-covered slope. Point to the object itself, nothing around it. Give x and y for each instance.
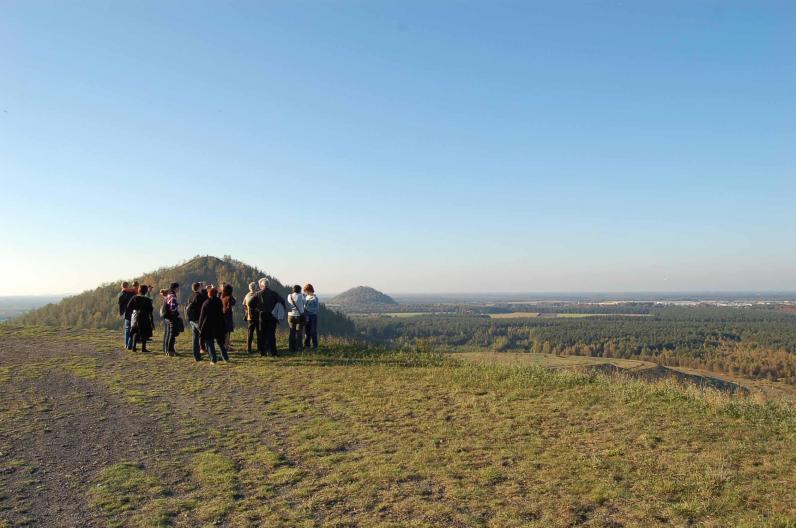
(98, 308)
(362, 296)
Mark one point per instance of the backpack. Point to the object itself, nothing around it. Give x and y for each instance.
(165, 313)
(188, 309)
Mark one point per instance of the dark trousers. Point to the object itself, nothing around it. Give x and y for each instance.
(135, 339)
(267, 335)
(296, 326)
(210, 346)
(252, 329)
(195, 340)
(311, 331)
(169, 336)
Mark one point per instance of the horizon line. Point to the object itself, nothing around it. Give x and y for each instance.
(509, 293)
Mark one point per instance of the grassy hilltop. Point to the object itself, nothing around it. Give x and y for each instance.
(97, 308)
(356, 436)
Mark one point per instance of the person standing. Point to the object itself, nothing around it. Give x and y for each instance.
(123, 299)
(170, 313)
(141, 320)
(212, 326)
(311, 308)
(192, 311)
(265, 301)
(295, 318)
(228, 301)
(251, 318)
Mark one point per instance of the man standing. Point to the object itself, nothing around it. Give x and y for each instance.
(251, 317)
(192, 311)
(264, 303)
(212, 326)
(124, 298)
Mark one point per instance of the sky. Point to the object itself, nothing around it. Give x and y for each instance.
(413, 146)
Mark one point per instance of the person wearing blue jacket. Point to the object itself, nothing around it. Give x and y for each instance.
(311, 308)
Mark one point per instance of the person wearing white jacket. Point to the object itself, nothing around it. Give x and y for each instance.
(295, 318)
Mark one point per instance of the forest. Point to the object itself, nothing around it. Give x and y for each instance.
(753, 342)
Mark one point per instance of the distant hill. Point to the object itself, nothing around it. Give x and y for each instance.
(98, 308)
(361, 297)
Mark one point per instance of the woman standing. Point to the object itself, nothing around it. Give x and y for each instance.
(295, 318)
(212, 326)
(311, 307)
(170, 313)
(228, 301)
(141, 321)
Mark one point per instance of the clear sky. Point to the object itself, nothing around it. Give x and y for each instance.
(408, 145)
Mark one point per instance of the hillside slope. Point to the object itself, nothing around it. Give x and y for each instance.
(98, 309)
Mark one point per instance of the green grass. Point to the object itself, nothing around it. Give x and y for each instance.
(352, 436)
(216, 475)
(124, 488)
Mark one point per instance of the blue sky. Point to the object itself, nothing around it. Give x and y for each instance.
(411, 146)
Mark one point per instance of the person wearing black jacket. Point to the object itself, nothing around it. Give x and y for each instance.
(125, 295)
(264, 303)
(192, 311)
(139, 312)
(171, 315)
(212, 326)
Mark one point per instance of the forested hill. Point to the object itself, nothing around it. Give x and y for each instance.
(98, 308)
(362, 296)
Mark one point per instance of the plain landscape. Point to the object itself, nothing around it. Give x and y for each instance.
(434, 412)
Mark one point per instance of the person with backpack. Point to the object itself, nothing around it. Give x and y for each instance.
(228, 301)
(170, 313)
(212, 326)
(267, 304)
(295, 318)
(311, 308)
(139, 311)
(192, 311)
(123, 299)
(251, 318)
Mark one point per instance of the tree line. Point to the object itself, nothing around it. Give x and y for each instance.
(745, 341)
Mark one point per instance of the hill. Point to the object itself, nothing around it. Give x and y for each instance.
(362, 296)
(358, 436)
(97, 308)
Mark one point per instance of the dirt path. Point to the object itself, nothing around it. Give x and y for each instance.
(61, 430)
(73, 409)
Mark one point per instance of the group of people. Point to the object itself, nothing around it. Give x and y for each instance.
(209, 313)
